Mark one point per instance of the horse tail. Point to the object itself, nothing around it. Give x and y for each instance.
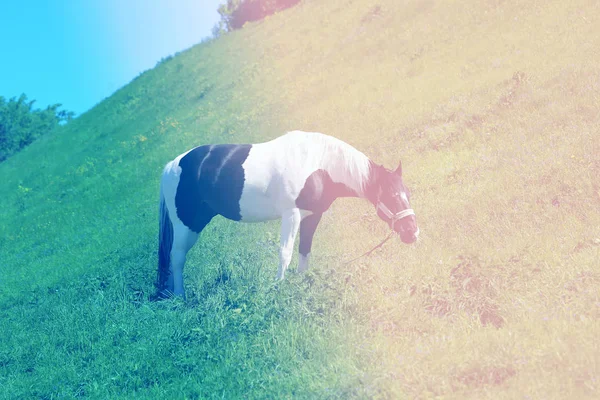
(165, 243)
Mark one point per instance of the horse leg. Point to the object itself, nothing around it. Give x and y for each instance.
(307, 231)
(183, 240)
(290, 222)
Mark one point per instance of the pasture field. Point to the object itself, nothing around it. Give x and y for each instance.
(494, 109)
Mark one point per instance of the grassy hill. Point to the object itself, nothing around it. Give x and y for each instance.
(493, 109)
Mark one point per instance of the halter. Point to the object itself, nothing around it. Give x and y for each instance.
(394, 217)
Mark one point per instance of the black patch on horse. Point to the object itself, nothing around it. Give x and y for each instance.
(211, 182)
(308, 226)
(320, 191)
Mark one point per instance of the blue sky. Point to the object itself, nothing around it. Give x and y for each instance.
(78, 52)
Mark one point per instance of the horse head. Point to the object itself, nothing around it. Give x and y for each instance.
(392, 201)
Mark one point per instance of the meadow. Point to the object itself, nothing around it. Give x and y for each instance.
(493, 108)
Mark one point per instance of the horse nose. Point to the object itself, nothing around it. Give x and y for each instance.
(412, 236)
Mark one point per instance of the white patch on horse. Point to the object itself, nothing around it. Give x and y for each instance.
(223, 162)
(275, 171)
(169, 184)
(204, 159)
(290, 222)
(305, 213)
(303, 263)
(404, 197)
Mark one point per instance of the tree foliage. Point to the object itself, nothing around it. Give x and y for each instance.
(20, 124)
(235, 13)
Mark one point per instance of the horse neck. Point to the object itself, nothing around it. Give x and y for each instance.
(355, 181)
(371, 186)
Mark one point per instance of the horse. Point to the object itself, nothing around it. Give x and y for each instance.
(295, 178)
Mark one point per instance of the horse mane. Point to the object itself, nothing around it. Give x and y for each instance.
(344, 163)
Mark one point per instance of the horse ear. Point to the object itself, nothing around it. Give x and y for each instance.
(398, 170)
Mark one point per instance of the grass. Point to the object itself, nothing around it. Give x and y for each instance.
(493, 108)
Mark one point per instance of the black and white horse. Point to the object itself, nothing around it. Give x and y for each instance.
(295, 177)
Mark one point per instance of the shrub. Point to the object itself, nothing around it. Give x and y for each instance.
(235, 13)
(20, 124)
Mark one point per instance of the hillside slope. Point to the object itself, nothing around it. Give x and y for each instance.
(493, 109)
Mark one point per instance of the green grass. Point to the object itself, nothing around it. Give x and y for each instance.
(493, 108)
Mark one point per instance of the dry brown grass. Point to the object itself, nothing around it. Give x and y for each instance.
(493, 108)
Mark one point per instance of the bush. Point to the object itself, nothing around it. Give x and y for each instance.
(20, 124)
(235, 13)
